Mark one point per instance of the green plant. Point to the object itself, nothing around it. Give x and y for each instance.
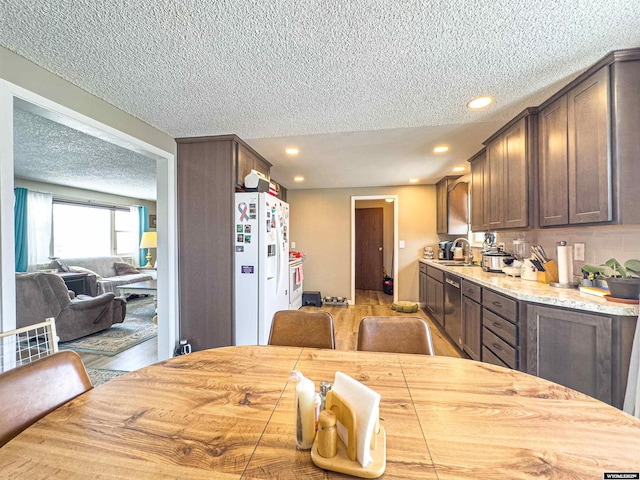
(613, 268)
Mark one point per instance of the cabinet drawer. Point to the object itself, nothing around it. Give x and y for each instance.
(435, 273)
(489, 357)
(499, 347)
(501, 305)
(423, 267)
(501, 327)
(472, 291)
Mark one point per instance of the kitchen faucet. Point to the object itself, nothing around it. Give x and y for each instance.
(467, 256)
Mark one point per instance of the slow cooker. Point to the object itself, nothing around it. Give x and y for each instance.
(495, 260)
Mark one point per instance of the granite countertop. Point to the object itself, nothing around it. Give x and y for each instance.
(535, 292)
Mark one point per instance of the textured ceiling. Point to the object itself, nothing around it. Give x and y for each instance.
(321, 73)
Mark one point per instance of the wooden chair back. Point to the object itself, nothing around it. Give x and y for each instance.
(395, 334)
(300, 328)
(31, 391)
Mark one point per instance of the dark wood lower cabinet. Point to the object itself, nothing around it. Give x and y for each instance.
(587, 352)
(435, 300)
(471, 328)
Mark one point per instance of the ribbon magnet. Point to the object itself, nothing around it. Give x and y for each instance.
(243, 209)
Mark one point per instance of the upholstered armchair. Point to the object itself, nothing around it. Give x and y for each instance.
(43, 295)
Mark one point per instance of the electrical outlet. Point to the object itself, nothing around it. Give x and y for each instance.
(401, 243)
(578, 251)
(293, 245)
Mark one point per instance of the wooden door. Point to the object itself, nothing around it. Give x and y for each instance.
(589, 145)
(552, 164)
(369, 251)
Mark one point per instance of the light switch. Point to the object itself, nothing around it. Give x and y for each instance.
(293, 244)
(401, 243)
(578, 251)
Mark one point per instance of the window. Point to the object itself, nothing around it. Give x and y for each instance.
(93, 231)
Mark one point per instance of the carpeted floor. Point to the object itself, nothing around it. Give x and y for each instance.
(137, 327)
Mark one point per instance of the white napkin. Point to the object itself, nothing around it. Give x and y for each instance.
(366, 405)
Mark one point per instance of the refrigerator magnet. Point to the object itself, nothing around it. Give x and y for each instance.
(242, 208)
(240, 248)
(240, 238)
(247, 229)
(268, 225)
(252, 216)
(239, 228)
(247, 239)
(246, 269)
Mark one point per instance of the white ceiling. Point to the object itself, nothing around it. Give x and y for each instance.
(364, 88)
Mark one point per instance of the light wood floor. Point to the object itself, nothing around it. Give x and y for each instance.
(346, 321)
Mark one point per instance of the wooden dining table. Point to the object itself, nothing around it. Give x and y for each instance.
(229, 413)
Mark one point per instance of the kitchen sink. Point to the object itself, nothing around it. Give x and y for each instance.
(453, 263)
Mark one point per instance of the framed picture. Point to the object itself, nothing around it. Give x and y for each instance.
(152, 221)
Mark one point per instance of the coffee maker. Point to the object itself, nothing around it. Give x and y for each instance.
(444, 251)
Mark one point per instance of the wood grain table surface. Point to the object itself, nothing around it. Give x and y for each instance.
(228, 413)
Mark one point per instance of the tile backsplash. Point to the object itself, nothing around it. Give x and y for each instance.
(601, 243)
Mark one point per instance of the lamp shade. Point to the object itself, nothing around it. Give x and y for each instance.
(149, 240)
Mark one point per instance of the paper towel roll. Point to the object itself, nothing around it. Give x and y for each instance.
(565, 264)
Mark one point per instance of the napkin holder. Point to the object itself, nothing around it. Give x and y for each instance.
(345, 460)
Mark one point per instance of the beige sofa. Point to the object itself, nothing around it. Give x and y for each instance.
(103, 272)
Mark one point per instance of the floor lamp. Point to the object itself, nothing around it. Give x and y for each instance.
(149, 240)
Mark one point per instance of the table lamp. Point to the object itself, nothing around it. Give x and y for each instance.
(149, 240)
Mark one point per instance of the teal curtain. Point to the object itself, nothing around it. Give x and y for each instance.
(144, 227)
(20, 227)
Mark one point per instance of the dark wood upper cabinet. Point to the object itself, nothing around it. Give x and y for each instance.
(478, 222)
(247, 160)
(553, 167)
(588, 150)
(507, 174)
(588, 146)
(452, 212)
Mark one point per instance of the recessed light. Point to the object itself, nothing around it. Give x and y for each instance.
(299, 178)
(441, 149)
(292, 151)
(458, 169)
(388, 200)
(414, 180)
(480, 102)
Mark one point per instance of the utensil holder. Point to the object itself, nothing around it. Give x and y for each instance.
(550, 274)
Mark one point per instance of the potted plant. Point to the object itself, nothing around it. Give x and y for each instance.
(623, 280)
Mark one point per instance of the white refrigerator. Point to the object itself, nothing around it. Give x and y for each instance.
(261, 265)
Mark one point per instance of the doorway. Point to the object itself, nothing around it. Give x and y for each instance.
(374, 247)
(166, 215)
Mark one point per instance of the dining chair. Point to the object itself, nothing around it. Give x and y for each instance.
(395, 334)
(31, 391)
(299, 328)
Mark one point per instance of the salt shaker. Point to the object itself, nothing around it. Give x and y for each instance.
(324, 389)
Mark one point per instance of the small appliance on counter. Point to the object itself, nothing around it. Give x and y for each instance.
(495, 260)
(444, 251)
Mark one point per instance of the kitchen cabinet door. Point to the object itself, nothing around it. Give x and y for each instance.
(571, 348)
(441, 205)
(478, 223)
(515, 181)
(422, 285)
(247, 161)
(589, 150)
(435, 300)
(494, 182)
(458, 209)
(553, 167)
(471, 328)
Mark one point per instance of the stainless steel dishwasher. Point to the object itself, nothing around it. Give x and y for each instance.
(453, 308)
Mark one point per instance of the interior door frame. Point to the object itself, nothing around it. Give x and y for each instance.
(354, 199)
(166, 202)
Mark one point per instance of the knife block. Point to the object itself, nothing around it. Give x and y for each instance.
(550, 274)
(345, 461)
